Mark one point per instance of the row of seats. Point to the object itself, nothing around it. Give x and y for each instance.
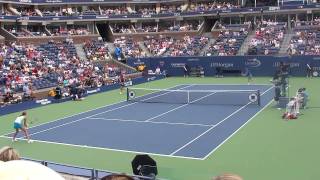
(124, 10)
(268, 38)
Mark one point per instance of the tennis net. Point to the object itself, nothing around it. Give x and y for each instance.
(208, 97)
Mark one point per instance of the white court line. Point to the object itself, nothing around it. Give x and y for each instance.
(85, 112)
(237, 130)
(108, 149)
(151, 122)
(180, 107)
(215, 125)
(117, 150)
(71, 122)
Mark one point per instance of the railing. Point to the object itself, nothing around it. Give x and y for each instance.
(90, 173)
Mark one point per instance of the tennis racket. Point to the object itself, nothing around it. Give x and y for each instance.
(34, 120)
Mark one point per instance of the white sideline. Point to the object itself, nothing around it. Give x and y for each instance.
(213, 126)
(108, 149)
(128, 151)
(236, 131)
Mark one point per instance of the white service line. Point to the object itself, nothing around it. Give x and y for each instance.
(84, 112)
(152, 122)
(179, 107)
(215, 125)
(71, 122)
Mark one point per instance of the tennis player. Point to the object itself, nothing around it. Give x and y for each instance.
(122, 82)
(248, 74)
(21, 124)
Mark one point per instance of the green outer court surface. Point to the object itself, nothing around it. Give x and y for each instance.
(267, 148)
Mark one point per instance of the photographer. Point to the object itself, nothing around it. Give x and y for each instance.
(58, 93)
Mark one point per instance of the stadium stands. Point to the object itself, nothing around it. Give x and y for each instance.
(96, 50)
(269, 36)
(229, 40)
(129, 47)
(39, 42)
(114, 10)
(169, 46)
(306, 39)
(210, 6)
(49, 64)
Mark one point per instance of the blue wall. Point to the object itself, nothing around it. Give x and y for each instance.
(258, 65)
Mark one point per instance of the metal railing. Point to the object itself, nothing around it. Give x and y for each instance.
(90, 173)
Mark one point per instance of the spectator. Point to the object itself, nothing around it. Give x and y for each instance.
(58, 93)
(21, 169)
(158, 71)
(8, 154)
(269, 36)
(169, 46)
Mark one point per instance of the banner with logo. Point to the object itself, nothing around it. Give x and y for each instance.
(257, 65)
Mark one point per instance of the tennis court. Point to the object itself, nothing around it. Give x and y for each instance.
(188, 121)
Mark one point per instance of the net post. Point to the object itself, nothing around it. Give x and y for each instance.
(127, 94)
(188, 92)
(259, 98)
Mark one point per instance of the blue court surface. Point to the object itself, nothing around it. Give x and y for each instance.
(192, 130)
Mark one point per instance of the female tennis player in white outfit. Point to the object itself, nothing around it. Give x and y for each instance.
(21, 124)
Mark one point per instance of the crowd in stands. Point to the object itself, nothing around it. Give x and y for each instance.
(129, 47)
(229, 41)
(27, 31)
(158, 46)
(306, 39)
(25, 68)
(52, 11)
(68, 31)
(91, 11)
(69, 11)
(314, 22)
(268, 38)
(210, 6)
(169, 46)
(145, 10)
(165, 9)
(122, 28)
(117, 10)
(146, 27)
(182, 26)
(96, 50)
(122, 9)
(27, 11)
